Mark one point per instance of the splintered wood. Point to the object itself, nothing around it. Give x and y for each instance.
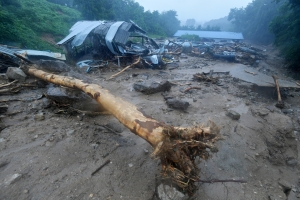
(280, 103)
(176, 147)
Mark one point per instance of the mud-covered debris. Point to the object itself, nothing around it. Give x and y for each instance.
(166, 192)
(3, 108)
(53, 65)
(152, 87)
(16, 74)
(177, 104)
(205, 78)
(287, 111)
(233, 114)
(3, 77)
(292, 162)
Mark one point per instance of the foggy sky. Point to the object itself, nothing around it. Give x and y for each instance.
(200, 10)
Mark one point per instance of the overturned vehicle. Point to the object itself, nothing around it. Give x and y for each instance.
(107, 40)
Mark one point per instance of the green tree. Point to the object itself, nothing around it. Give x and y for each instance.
(286, 28)
(30, 20)
(253, 21)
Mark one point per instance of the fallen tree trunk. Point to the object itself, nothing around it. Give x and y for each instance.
(176, 147)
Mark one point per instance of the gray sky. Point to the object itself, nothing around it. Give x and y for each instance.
(200, 10)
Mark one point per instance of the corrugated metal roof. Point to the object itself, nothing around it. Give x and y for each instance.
(47, 54)
(103, 29)
(211, 34)
(80, 31)
(7, 51)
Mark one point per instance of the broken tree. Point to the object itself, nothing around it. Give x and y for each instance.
(176, 147)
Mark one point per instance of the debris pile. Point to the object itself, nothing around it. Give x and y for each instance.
(106, 40)
(230, 51)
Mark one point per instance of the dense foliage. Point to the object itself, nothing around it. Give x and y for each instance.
(268, 21)
(31, 23)
(253, 21)
(286, 28)
(223, 24)
(165, 23)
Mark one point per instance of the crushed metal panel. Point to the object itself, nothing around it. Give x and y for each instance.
(7, 51)
(137, 27)
(36, 54)
(111, 34)
(211, 34)
(103, 29)
(79, 32)
(121, 37)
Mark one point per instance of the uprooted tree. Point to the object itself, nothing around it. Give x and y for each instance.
(176, 147)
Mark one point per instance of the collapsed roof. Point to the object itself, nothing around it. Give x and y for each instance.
(113, 35)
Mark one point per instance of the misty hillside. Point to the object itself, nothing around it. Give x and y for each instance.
(36, 24)
(223, 23)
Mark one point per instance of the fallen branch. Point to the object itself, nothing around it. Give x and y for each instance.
(190, 88)
(136, 62)
(298, 83)
(280, 103)
(8, 84)
(99, 168)
(177, 147)
(251, 73)
(15, 89)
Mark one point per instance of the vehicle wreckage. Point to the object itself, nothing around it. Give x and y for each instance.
(107, 40)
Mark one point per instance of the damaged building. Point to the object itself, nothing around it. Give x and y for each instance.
(107, 40)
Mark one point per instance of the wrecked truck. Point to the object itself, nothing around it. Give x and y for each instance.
(107, 40)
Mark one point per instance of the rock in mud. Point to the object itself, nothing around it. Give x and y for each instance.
(166, 192)
(292, 162)
(39, 117)
(285, 185)
(53, 66)
(77, 99)
(12, 179)
(16, 74)
(233, 115)
(177, 104)
(152, 87)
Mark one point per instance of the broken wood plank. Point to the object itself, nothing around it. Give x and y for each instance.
(280, 103)
(254, 74)
(190, 88)
(8, 84)
(117, 74)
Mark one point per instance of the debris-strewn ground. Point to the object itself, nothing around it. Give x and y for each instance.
(50, 151)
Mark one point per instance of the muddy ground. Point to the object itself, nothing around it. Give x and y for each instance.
(52, 155)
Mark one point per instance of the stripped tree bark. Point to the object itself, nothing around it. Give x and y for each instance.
(176, 147)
